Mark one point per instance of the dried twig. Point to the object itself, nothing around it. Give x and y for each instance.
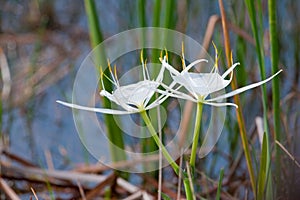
(8, 191)
(96, 168)
(5, 76)
(34, 194)
(94, 192)
(288, 153)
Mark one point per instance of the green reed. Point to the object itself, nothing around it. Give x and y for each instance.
(114, 132)
(264, 176)
(239, 112)
(275, 81)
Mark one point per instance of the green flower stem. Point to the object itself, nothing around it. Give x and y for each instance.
(196, 135)
(188, 191)
(158, 142)
(166, 154)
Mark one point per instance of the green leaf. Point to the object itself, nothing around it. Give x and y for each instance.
(165, 196)
(264, 175)
(114, 132)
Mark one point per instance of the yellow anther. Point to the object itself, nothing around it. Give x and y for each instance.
(182, 55)
(115, 72)
(101, 78)
(101, 72)
(216, 56)
(142, 56)
(182, 49)
(161, 55)
(109, 67)
(166, 51)
(183, 63)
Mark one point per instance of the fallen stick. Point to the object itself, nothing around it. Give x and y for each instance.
(8, 191)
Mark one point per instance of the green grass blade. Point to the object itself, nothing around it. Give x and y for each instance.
(169, 19)
(114, 132)
(156, 13)
(94, 25)
(258, 36)
(263, 169)
(218, 196)
(236, 98)
(141, 13)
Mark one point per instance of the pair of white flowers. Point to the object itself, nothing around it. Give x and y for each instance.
(135, 98)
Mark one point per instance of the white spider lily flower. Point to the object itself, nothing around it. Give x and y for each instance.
(201, 85)
(133, 98)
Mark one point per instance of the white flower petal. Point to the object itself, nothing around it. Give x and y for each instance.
(160, 75)
(109, 96)
(177, 94)
(169, 67)
(240, 90)
(201, 84)
(193, 64)
(99, 110)
(230, 70)
(156, 102)
(219, 104)
(135, 94)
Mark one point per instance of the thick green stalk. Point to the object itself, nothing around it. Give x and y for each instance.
(188, 191)
(196, 135)
(275, 81)
(114, 132)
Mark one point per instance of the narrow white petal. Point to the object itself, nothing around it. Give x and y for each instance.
(172, 92)
(219, 104)
(160, 76)
(240, 90)
(230, 70)
(99, 110)
(109, 96)
(193, 64)
(177, 94)
(156, 103)
(169, 67)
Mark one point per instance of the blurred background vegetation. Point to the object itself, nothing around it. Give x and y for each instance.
(44, 43)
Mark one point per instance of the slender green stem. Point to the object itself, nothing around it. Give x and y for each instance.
(166, 154)
(158, 141)
(196, 134)
(188, 191)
